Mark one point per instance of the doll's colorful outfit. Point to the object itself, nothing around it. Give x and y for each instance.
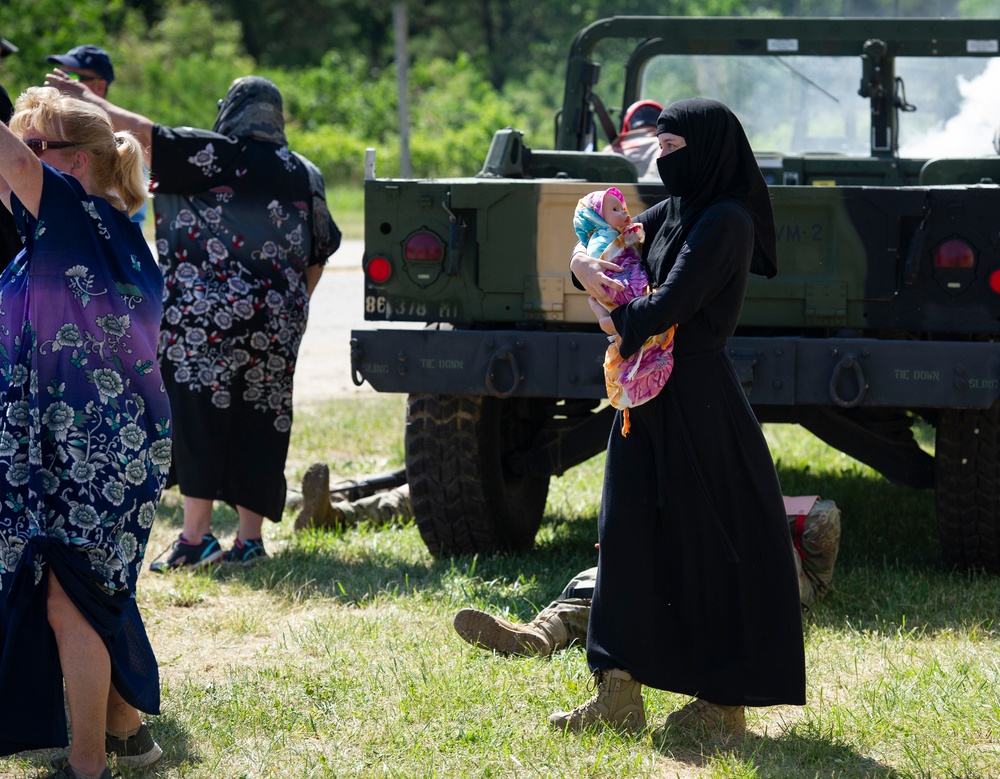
(633, 381)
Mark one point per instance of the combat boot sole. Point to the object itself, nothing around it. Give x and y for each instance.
(489, 632)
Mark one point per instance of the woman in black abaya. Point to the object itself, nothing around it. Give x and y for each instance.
(696, 586)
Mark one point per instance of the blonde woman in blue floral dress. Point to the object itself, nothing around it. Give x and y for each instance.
(85, 439)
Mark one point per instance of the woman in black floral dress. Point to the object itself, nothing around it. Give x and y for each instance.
(242, 232)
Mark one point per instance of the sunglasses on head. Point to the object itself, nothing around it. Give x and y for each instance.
(38, 146)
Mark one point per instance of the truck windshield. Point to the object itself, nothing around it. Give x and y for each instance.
(793, 105)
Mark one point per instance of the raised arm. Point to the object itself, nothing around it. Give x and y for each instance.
(137, 124)
(20, 172)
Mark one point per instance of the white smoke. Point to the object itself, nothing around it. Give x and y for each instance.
(970, 132)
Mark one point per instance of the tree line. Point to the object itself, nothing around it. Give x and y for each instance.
(475, 65)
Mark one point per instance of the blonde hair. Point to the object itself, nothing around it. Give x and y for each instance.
(117, 172)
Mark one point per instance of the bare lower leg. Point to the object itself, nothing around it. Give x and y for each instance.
(197, 518)
(86, 668)
(250, 524)
(122, 717)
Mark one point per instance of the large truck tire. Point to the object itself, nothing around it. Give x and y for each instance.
(967, 487)
(466, 498)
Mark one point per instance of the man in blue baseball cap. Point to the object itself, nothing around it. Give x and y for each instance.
(89, 64)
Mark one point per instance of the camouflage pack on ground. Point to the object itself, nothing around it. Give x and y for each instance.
(816, 538)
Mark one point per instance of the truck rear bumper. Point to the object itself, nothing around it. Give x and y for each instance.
(845, 372)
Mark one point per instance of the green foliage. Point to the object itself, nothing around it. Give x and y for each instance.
(476, 65)
(456, 124)
(338, 154)
(298, 33)
(342, 93)
(977, 9)
(175, 71)
(453, 110)
(42, 27)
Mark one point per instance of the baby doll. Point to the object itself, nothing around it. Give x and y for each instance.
(604, 227)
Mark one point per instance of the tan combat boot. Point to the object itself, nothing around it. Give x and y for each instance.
(701, 715)
(617, 702)
(556, 627)
(316, 509)
(319, 511)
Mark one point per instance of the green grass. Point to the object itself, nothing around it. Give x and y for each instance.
(347, 205)
(337, 657)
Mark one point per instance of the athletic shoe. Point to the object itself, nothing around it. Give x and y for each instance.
(187, 555)
(65, 771)
(137, 751)
(246, 553)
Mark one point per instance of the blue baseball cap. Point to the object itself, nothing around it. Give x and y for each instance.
(86, 57)
(6, 47)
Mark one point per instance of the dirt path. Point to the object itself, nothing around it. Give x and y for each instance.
(324, 368)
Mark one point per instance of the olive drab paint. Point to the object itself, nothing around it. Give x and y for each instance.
(885, 309)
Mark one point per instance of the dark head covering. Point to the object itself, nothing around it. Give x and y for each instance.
(721, 167)
(252, 109)
(86, 57)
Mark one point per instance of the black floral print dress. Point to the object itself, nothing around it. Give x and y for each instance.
(238, 220)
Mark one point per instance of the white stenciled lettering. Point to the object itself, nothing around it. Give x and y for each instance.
(432, 364)
(916, 374)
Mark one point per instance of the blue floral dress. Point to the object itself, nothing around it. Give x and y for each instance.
(85, 444)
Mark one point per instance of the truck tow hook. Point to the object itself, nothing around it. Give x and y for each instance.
(357, 355)
(503, 354)
(848, 363)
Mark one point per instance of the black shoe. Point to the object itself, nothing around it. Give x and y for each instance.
(249, 552)
(136, 751)
(65, 771)
(185, 555)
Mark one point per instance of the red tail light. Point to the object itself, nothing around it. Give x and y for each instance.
(995, 281)
(955, 253)
(379, 269)
(423, 247)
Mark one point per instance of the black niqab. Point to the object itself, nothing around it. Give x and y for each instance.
(723, 168)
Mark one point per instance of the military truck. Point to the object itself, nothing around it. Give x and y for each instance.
(885, 311)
